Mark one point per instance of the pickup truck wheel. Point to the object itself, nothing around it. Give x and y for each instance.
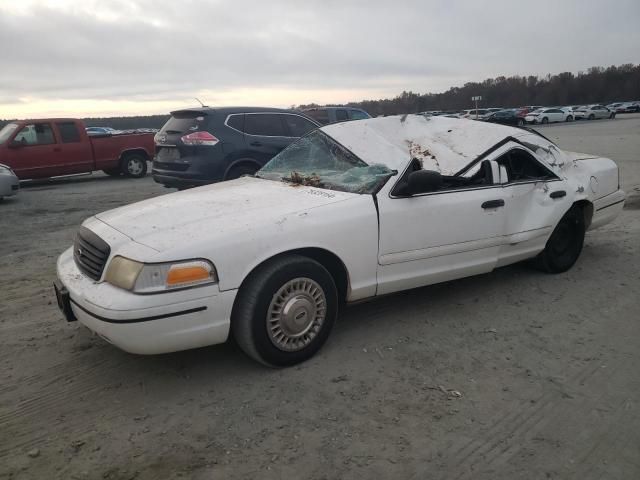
(285, 310)
(565, 244)
(134, 165)
(113, 172)
(239, 170)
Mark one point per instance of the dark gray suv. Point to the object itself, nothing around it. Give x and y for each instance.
(326, 115)
(205, 145)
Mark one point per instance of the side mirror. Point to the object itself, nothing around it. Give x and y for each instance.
(422, 181)
(16, 144)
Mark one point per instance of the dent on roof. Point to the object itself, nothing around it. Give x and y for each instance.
(445, 145)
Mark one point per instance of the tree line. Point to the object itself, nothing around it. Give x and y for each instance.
(596, 85)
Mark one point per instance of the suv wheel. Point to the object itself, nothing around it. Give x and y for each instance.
(239, 170)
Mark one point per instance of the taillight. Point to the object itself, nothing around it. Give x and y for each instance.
(199, 138)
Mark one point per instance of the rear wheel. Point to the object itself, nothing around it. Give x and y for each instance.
(239, 170)
(569, 118)
(285, 310)
(134, 165)
(565, 244)
(545, 120)
(592, 117)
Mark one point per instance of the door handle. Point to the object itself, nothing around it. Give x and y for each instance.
(256, 144)
(558, 194)
(493, 204)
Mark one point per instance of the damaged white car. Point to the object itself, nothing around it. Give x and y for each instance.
(351, 211)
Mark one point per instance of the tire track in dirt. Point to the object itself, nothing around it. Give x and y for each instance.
(505, 427)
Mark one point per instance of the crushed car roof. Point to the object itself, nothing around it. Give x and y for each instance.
(442, 144)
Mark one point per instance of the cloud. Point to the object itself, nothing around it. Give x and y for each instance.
(158, 51)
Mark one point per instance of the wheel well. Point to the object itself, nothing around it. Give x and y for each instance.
(327, 259)
(587, 209)
(242, 161)
(139, 151)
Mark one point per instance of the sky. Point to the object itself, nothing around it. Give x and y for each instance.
(135, 57)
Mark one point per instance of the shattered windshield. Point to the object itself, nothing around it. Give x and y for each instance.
(318, 161)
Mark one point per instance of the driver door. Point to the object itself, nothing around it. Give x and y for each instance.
(440, 235)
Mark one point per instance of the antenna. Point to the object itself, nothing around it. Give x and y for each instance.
(202, 104)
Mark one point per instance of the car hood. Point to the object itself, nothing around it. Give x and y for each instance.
(235, 206)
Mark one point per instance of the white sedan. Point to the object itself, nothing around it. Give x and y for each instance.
(351, 211)
(549, 115)
(9, 183)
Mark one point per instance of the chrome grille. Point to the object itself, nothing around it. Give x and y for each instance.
(90, 253)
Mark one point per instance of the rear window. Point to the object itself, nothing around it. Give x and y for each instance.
(68, 132)
(319, 115)
(183, 122)
(236, 121)
(264, 124)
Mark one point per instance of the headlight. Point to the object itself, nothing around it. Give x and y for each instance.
(159, 277)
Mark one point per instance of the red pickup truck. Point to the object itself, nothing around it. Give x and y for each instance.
(60, 146)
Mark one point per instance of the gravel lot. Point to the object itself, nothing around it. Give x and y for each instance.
(514, 374)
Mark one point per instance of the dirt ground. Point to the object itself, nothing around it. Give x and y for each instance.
(514, 374)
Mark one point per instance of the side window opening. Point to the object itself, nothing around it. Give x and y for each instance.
(68, 132)
(36, 134)
(521, 166)
(236, 121)
(341, 115)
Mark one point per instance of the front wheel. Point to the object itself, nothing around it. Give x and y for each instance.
(285, 310)
(565, 244)
(134, 165)
(592, 117)
(545, 120)
(569, 118)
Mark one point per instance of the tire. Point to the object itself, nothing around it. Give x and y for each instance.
(520, 122)
(592, 117)
(612, 116)
(239, 170)
(113, 172)
(280, 284)
(565, 243)
(569, 119)
(134, 165)
(545, 120)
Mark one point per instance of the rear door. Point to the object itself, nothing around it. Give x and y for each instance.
(77, 154)
(266, 134)
(36, 154)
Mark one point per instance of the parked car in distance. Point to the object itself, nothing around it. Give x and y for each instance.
(616, 107)
(506, 117)
(269, 259)
(100, 130)
(327, 115)
(629, 107)
(204, 145)
(490, 111)
(9, 183)
(473, 113)
(549, 115)
(593, 112)
(523, 111)
(60, 146)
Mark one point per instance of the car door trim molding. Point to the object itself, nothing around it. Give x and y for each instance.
(463, 247)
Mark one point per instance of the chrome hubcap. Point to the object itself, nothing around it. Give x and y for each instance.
(135, 166)
(296, 314)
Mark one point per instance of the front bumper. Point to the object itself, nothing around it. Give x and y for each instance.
(147, 324)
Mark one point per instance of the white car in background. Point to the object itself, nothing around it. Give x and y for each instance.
(351, 211)
(549, 115)
(593, 112)
(9, 183)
